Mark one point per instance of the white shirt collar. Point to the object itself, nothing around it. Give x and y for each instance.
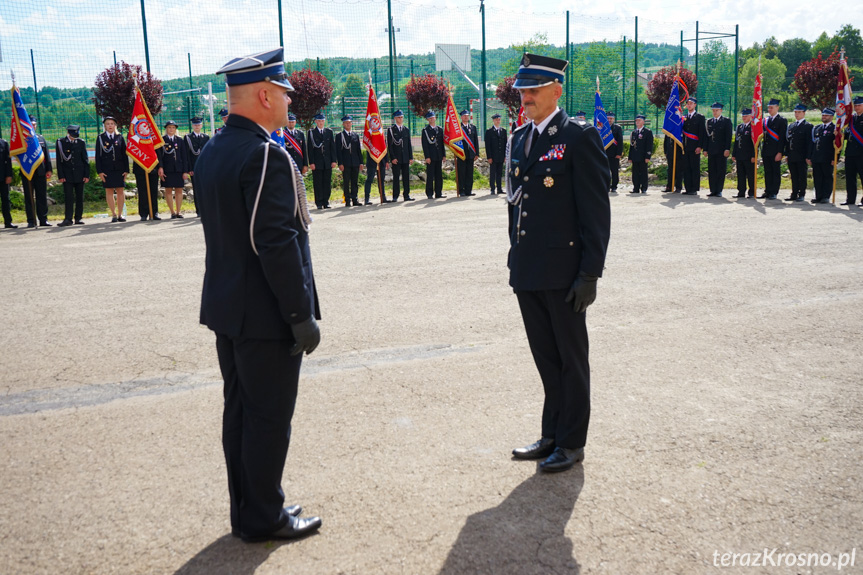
(540, 128)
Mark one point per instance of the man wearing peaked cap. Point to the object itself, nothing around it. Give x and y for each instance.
(401, 155)
(295, 144)
(321, 144)
(350, 159)
(854, 152)
(173, 167)
(557, 182)
(640, 152)
(6, 174)
(259, 293)
(694, 140)
(495, 152)
(718, 149)
(796, 148)
(773, 148)
(821, 158)
(614, 152)
(743, 154)
(581, 115)
(37, 188)
(73, 171)
(223, 114)
(471, 146)
(194, 143)
(434, 154)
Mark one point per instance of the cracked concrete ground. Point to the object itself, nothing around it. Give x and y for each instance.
(725, 350)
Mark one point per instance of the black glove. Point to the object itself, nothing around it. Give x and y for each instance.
(307, 334)
(582, 293)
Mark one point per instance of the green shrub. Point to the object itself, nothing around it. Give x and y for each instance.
(16, 200)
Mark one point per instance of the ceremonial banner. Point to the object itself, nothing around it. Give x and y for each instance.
(843, 103)
(600, 120)
(453, 137)
(143, 138)
(373, 133)
(278, 137)
(520, 121)
(672, 126)
(23, 142)
(757, 109)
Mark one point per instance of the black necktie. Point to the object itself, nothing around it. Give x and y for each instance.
(534, 134)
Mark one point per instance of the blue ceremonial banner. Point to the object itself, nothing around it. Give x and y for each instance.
(673, 124)
(279, 137)
(600, 121)
(23, 142)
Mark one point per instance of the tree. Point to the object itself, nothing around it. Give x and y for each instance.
(537, 44)
(426, 93)
(509, 95)
(816, 80)
(659, 88)
(793, 52)
(114, 92)
(354, 87)
(824, 44)
(848, 37)
(772, 79)
(312, 93)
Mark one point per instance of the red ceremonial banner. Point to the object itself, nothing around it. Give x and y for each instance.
(453, 137)
(373, 133)
(757, 109)
(143, 139)
(843, 103)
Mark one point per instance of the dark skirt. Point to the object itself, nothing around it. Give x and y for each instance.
(173, 180)
(114, 180)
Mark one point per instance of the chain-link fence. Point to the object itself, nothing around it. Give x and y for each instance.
(57, 48)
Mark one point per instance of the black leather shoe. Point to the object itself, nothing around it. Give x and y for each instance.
(64, 223)
(121, 219)
(114, 220)
(847, 204)
(791, 199)
(180, 216)
(79, 223)
(443, 196)
(293, 510)
(740, 196)
(798, 199)
(562, 459)
(31, 225)
(690, 193)
(537, 450)
(45, 224)
(294, 528)
(156, 218)
(10, 226)
(409, 199)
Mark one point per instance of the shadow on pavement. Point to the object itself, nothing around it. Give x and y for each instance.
(525, 533)
(228, 555)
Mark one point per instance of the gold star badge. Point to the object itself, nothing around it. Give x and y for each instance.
(548, 181)
(516, 172)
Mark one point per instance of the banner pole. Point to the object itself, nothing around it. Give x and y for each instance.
(755, 189)
(149, 200)
(380, 184)
(674, 169)
(457, 187)
(835, 168)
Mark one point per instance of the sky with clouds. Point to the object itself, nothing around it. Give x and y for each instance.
(72, 40)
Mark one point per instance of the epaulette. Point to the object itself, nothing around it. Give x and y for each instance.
(582, 123)
(517, 128)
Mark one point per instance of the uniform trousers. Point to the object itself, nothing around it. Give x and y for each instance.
(464, 171)
(39, 186)
(692, 171)
(771, 176)
(798, 171)
(822, 176)
(639, 176)
(717, 167)
(557, 336)
(350, 184)
(6, 203)
(73, 199)
(495, 173)
(745, 177)
(371, 174)
(322, 182)
(434, 179)
(261, 378)
(141, 181)
(614, 166)
(853, 170)
(401, 175)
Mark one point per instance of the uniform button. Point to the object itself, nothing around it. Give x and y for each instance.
(524, 214)
(572, 243)
(522, 232)
(293, 315)
(526, 178)
(526, 196)
(548, 169)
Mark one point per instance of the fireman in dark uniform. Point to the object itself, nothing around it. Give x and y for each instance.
(73, 171)
(6, 174)
(223, 114)
(854, 152)
(743, 154)
(173, 168)
(464, 168)
(557, 184)
(434, 153)
(495, 152)
(773, 148)
(195, 142)
(821, 156)
(640, 151)
(694, 140)
(614, 152)
(717, 150)
(112, 166)
(38, 186)
(295, 144)
(349, 152)
(322, 159)
(796, 150)
(401, 155)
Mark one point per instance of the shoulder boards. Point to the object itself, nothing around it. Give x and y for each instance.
(517, 128)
